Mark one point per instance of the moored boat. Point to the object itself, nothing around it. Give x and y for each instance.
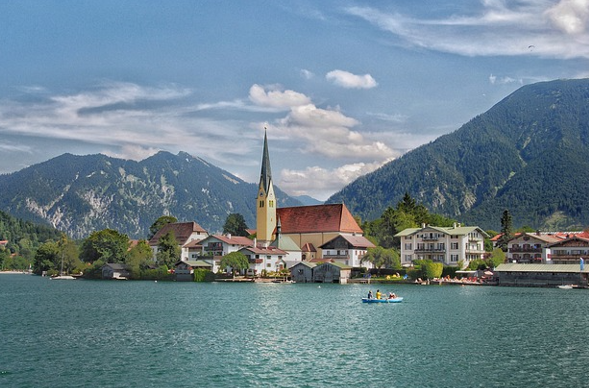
(388, 300)
(565, 286)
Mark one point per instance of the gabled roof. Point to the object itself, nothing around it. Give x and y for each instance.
(452, 230)
(513, 267)
(337, 264)
(182, 231)
(353, 241)
(317, 218)
(231, 240)
(195, 263)
(568, 240)
(285, 243)
(308, 247)
(543, 237)
(193, 244)
(305, 263)
(260, 250)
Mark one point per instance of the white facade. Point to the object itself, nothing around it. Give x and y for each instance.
(217, 245)
(261, 258)
(440, 244)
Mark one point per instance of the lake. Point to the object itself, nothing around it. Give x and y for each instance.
(85, 333)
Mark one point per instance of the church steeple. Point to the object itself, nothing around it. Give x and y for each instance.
(266, 202)
(266, 173)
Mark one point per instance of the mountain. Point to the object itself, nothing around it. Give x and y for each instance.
(81, 194)
(529, 154)
(307, 200)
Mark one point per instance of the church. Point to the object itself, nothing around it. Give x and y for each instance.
(321, 232)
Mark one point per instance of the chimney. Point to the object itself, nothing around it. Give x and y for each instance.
(229, 235)
(455, 225)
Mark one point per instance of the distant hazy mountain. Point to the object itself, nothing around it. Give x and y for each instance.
(81, 194)
(528, 154)
(307, 200)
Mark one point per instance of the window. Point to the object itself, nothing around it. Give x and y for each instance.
(408, 246)
(454, 258)
(271, 203)
(261, 203)
(454, 245)
(407, 258)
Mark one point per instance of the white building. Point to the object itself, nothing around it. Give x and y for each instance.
(187, 234)
(347, 250)
(261, 258)
(448, 245)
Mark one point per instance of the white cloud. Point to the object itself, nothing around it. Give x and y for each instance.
(570, 16)
(306, 74)
(493, 79)
(132, 152)
(496, 27)
(351, 81)
(325, 181)
(275, 97)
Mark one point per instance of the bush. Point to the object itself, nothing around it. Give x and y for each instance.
(203, 275)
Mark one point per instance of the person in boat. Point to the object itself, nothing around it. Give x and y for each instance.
(378, 294)
(370, 294)
(392, 295)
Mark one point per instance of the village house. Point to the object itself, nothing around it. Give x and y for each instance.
(214, 247)
(261, 258)
(448, 245)
(115, 271)
(527, 247)
(570, 250)
(347, 250)
(185, 269)
(187, 234)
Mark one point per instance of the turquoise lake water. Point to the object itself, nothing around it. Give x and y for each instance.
(146, 334)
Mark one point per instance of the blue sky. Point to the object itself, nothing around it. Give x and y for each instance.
(341, 86)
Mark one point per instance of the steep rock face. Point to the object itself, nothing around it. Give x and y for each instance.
(528, 153)
(81, 194)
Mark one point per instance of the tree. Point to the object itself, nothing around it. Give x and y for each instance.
(140, 256)
(160, 223)
(168, 250)
(236, 260)
(496, 258)
(107, 245)
(235, 225)
(506, 230)
(381, 257)
(46, 257)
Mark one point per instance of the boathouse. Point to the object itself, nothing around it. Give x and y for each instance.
(542, 275)
(115, 271)
(302, 272)
(332, 273)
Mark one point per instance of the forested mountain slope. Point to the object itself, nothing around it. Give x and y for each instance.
(81, 194)
(529, 154)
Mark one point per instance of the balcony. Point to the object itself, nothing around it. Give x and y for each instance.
(430, 250)
(430, 238)
(255, 261)
(335, 257)
(525, 249)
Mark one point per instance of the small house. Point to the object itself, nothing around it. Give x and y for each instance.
(332, 273)
(185, 269)
(302, 272)
(115, 271)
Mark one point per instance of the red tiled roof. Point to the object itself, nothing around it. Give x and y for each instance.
(235, 240)
(308, 247)
(354, 241)
(270, 250)
(317, 218)
(182, 231)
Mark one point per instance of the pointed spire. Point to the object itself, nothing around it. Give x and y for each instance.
(266, 173)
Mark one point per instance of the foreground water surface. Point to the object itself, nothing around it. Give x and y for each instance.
(145, 334)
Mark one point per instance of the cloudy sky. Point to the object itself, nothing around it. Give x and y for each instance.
(341, 86)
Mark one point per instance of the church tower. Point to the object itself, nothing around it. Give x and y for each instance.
(265, 201)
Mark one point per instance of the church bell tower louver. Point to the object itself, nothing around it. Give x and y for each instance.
(266, 200)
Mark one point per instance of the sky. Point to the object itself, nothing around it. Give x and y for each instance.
(341, 87)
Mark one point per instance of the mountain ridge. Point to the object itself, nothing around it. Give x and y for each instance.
(517, 156)
(80, 194)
